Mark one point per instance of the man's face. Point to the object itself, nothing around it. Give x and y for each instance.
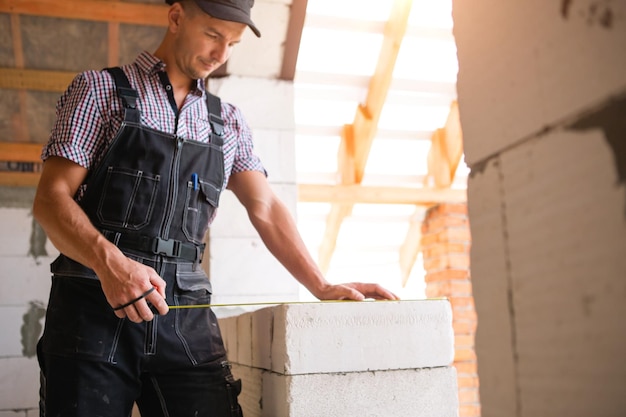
(204, 43)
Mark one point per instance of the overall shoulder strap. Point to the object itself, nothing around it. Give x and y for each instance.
(214, 105)
(128, 94)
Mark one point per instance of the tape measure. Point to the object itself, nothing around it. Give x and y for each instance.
(270, 303)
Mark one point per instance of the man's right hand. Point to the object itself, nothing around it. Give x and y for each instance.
(130, 287)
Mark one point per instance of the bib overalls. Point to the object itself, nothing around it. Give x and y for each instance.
(152, 195)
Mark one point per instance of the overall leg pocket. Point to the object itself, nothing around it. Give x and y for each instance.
(196, 325)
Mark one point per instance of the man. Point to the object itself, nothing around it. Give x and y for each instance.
(131, 180)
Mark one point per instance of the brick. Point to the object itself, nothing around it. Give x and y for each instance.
(440, 223)
(464, 326)
(445, 248)
(468, 396)
(472, 410)
(451, 261)
(466, 368)
(467, 314)
(464, 354)
(464, 340)
(447, 209)
(445, 275)
(467, 381)
(453, 288)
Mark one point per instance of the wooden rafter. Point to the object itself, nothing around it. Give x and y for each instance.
(356, 193)
(356, 138)
(29, 153)
(92, 10)
(444, 157)
(446, 150)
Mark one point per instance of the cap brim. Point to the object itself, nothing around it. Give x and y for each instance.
(225, 12)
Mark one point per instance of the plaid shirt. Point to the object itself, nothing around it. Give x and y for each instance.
(90, 113)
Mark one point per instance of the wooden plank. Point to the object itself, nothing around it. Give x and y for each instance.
(19, 179)
(20, 152)
(356, 140)
(52, 81)
(91, 10)
(354, 194)
(113, 58)
(338, 212)
(411, 247)
(367, 115)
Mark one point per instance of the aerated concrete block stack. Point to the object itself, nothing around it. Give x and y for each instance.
(380, 359)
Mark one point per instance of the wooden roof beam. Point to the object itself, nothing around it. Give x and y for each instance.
(91, 10)
(356, 139)
(360, 194)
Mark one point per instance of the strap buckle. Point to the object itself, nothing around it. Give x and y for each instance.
(169, 247)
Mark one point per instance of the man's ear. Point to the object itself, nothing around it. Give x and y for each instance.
(174, 16)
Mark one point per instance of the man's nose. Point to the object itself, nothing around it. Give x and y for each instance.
(221, 53)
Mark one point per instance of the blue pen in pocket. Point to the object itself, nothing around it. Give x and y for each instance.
(194, 181)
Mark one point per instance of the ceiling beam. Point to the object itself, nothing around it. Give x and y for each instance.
(411, 246)
(446, 151)
(292, 40)
(356, 139)
(359, 194)
(25, 79)
(91, 10)
(367, 114)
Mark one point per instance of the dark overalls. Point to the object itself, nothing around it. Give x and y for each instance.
(152, 195)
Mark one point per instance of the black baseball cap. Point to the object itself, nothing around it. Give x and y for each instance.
(232, 10)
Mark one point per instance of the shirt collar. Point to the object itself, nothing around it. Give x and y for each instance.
(151, 65)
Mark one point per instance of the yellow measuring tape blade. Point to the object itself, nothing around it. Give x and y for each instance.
(270, 303)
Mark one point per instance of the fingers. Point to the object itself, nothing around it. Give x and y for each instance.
(137, 309)
(374, 291)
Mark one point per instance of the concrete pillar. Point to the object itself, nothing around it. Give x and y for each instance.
(542, 99)
(345, 359)
(446, 251)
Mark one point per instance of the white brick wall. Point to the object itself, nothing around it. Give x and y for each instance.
(24, 281)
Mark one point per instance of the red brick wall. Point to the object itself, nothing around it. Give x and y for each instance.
(446, 250)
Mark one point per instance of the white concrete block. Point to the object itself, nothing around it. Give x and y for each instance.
(251, 397)
(402, 393)
(262, 57)
(228, 328)
(21, 326)
(244, 339)
(19, 383)
(244, 266)
(265, 103)
(529, 64)
(491, 290)
(15, 413)
(262, 336)
(276, 148)
(351, 337)
(24, 279)
(567, 273)
(17, 224)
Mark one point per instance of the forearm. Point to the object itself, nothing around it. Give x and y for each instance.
(70, 230)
